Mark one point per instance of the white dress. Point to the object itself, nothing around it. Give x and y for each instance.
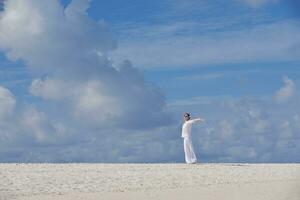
(190, 156)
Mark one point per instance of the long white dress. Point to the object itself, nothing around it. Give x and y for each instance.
(190, 156)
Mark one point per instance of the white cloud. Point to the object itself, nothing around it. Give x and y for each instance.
(88, 109)
(208, 76)
(94, 103)
(82, 100)
(47, 37)
(247, 129)
(262, 43)
(226, 129)
(20, 125)
(199, 100)
(50, 89)
(287, 91)
(7, 103)
(39, 126)
(87, 100)
(72, 49)
(258, 3)
(261, 126)
(242, 152)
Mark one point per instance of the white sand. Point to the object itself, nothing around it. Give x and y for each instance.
(149, 181)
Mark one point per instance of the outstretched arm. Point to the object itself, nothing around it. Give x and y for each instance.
(197, 120)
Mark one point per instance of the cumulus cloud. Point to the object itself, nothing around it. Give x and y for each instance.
(287, 91)
(72, 49)
(25, 126)
(246, 129)
(47, 37)
(37, 124)
(82, 99)
(86, 108)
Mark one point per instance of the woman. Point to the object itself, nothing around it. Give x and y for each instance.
(190, 156)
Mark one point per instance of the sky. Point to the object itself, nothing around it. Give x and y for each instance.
(109, 81)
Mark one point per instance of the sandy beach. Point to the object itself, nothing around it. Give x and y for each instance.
(149, 181)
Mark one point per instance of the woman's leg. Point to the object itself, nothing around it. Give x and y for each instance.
(190, 156)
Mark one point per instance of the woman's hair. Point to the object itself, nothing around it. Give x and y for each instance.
(187, 115)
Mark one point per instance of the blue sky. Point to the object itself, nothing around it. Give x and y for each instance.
(108, 81)
(160, 20)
